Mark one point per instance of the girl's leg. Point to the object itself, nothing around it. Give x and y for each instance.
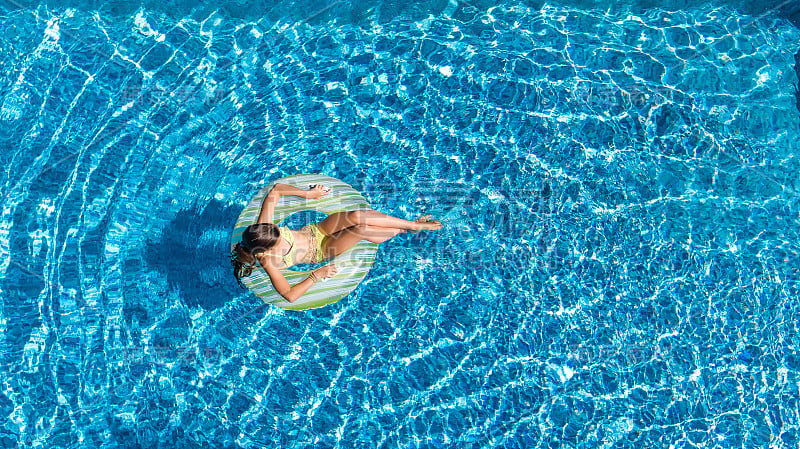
(342, 220)
(375, 218)
(334, 223)
(346, 238)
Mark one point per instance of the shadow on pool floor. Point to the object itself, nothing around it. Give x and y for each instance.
(197, 268)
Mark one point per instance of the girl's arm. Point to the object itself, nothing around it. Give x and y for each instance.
(279, 190)
(292, 292)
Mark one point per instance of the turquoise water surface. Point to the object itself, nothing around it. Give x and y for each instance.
(618, 265)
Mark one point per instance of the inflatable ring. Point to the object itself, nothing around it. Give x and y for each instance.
(353, 264)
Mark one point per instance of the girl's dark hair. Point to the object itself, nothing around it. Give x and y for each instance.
(256, 238)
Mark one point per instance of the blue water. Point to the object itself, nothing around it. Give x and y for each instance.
(618, 267)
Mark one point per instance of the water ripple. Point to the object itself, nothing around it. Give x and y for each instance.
(617, 266)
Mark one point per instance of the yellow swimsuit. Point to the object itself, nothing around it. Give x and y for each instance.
(316, 245)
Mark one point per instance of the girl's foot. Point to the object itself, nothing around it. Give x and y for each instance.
(427, 224)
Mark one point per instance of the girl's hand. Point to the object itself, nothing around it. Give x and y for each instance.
(326, 272)
(318, 191)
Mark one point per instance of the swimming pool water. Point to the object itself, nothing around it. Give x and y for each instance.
(618, 266)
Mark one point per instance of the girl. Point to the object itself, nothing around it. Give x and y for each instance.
(275, 247)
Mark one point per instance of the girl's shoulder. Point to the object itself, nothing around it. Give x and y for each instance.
(266, 258)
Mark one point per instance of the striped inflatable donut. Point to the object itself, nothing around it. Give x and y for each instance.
(353, 265)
